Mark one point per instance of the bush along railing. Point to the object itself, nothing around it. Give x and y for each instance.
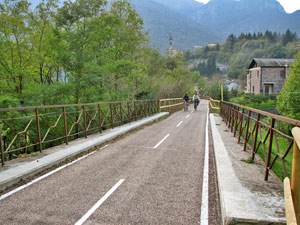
(267, 134)
(30, 129)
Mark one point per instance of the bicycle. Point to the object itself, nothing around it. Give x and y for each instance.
(196, 103)
(185, 106)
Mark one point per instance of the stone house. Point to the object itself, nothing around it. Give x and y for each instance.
(267, 76)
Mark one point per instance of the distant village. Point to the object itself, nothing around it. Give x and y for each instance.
(264, 75)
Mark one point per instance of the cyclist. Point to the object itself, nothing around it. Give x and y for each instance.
(196, 100)
(186, 99)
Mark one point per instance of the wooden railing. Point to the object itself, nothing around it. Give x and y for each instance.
(265, 131)
(31, 129)
(170, 104)
(214, 105)
(261, 129)
(292, 189)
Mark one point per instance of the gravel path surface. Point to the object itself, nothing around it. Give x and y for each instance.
(161, 185)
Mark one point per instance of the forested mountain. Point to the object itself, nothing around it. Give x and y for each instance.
(237, 16)
(185, 7)
(160, 22)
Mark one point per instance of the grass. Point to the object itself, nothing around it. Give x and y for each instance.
(249, 160)
(283, 144)
(263, 105)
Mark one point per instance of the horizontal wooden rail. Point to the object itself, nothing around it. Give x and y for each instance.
(170, 99)
(290, 213)
(170, 104)
(264, 113)
(68, 105)
(212, 103)
(295, 183)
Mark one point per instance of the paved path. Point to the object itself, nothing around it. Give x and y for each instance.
(153, 176)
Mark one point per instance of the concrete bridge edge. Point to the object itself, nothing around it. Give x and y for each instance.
(235, 200)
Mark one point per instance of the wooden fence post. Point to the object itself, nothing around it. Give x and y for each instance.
(135, 112)
(247, 130)
(236, 120)
(38, 128)
(1, 146)
(84, 121)
(100, 122)
(159, 105)
(65, 125)
(255, 137)
(128, 111)
(241, 125)
(121, 113)
(269, 149)
(111, 116)
(295, 179)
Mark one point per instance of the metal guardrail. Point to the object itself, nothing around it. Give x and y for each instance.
(31, 129)
(260, 129)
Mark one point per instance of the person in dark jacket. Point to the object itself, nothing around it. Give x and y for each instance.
(186, 99)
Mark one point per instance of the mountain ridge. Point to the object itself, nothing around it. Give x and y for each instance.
(232, 16)
(192, 23)
(186, 32)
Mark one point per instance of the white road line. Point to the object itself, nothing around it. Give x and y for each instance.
(45, 175)
(97, 205)
(204, 203)
(179, 124)
(103, 147)
(158, 144)
(187, 116)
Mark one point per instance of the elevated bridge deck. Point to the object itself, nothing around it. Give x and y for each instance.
(156, 175)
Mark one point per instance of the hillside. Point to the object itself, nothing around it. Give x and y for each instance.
(161, 21)
(185, 7)
(195, 24)
(231, 16)
(237, 52)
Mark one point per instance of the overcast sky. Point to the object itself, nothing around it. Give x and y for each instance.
(289, 5)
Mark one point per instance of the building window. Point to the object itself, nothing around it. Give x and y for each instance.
(257, 74)
(282, 73)
(253, 89)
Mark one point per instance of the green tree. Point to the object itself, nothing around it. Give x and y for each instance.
(288, 37)
(74, 23)
(16, 46)
(44, 41)
(289, 99)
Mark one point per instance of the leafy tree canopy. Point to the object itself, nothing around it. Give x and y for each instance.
(81, 51)
(289, 99)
